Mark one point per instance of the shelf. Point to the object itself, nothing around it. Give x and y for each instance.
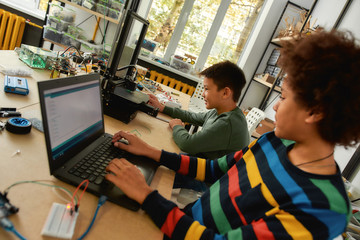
(56, 43)
(269, 85)
(90, 11)
(279, 40)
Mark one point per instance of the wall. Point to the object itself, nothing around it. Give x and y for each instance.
(325, 13)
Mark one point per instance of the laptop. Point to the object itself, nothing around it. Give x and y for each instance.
(76, 142)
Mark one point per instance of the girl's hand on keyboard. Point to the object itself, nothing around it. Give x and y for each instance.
(135, 145)
(128, 178)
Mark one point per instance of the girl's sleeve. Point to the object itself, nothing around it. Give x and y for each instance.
(200, 168)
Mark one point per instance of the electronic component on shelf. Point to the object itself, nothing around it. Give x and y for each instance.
(16, 85)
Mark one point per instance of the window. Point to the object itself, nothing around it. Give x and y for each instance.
(206, 31)
(43, 5)
(35, 8)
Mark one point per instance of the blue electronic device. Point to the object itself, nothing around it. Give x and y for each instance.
(16, 85)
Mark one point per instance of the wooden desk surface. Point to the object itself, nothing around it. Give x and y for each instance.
(35, 201)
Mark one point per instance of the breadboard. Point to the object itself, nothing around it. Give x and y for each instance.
(60, 223)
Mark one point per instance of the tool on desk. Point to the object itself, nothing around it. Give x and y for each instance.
(164, 120)
(18, 125)
(9, 114)
(176, 94)
(16, 85)
(8, 109)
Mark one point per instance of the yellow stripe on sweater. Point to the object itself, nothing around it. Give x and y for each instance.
(256, 179)
(195, 231)
(200, 174)
(292, 226)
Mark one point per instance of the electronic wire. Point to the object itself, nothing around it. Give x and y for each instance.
(6, 191)
(13, 230)
(8, 226)
(101, 202)
(78, 53)
(77, 189)
(61, 197)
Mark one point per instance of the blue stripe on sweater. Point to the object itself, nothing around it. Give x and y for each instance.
(197, 212)
(281, 174)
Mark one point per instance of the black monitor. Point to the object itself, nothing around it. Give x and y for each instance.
(126, 48)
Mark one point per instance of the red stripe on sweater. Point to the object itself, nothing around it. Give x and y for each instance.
(238, 155)
(235, 191)
(262, 231)
(171, 220)
(184, 165)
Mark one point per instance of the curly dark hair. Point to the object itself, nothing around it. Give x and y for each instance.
(226, 74)
(323, 70)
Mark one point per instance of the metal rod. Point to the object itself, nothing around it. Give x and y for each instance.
(342, 14)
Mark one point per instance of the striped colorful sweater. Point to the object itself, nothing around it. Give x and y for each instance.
(256, 194)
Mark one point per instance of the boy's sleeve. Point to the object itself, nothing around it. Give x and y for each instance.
(211, 139)
(185, 116)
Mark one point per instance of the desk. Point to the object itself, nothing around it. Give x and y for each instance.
(34, 201)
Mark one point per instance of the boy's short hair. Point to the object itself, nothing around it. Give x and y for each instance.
(323, 70)
(226, 74)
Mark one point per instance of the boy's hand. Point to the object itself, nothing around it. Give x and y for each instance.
(129, 179)
(175, 122)
(154, 101)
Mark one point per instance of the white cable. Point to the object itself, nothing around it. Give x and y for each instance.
(61, 197)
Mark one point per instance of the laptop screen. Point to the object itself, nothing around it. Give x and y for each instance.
(73, 114)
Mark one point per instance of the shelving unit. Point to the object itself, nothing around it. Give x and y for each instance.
(261, 81)
(91, 12)
(94, 13)
(291, 10)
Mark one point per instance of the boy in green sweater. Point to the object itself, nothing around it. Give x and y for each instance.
(224, 127)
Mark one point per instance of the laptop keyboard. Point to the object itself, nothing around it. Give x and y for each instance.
(92, 166)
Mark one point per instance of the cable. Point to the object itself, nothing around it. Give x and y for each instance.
(61, 197)
(76, 206)
(6, 191)
(69, 48)
(101, 202)
(8, 226)
(78, 53)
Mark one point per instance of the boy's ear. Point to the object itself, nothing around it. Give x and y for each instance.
(227, 92)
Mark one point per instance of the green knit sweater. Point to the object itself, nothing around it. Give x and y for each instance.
(220, 134)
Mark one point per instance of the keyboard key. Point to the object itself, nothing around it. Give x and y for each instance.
(99, 180)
